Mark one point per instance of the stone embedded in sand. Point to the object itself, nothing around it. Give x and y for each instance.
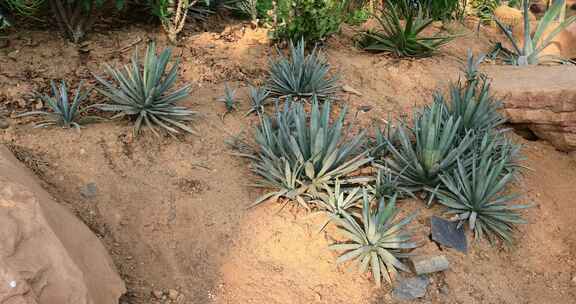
(541, 98)
(410, 288)
(511, 16)
(430, 264)
(46, 254)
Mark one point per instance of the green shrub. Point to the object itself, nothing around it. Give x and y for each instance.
(65, 112)
(141, 91)
(301, 75)
(401, 32)
(484, 9)
(437, 9)
(378, 241)
(312, 20)
(534, 44)
(299, 154)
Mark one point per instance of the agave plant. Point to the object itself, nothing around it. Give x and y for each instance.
(388, 185)
(65, 112)
(336, 202)
(258, 98)
(493, 145)
(471, 69)
(404, 39)
(142, 92)
(473, 105)
(476, 196)
(229, 98)
(378, 241)
(301, 75)
(529, 53)
(436, 148)
(301, 154)
(382, 138)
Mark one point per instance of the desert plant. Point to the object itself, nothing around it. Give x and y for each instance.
(388, 185)
(173, 16)
(473, 105)
(258, 98)
(529, 53)
(301, 154)
(335, 202)
(4, 23)
(229, 98)
(378, 241)
(301, 75)
(24, 7)
(436, 148)
(484, 9)
(475, 195)
(382, 138)
(142, 92)
(65, 112)
(471, 69)
(403, 38)
(250, 8)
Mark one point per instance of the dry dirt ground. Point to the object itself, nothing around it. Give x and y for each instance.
(173, 215)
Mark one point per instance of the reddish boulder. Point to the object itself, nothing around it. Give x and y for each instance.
(542, 98)
(47, 255)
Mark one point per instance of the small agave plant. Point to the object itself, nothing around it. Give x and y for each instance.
(301, 75)
(65, 112)
(258, 98)
(141, 90)
(338, 201)
(301, 154)
(529, 53)
(229, 98)
(388, 185)
(378, 241)
(475, 196)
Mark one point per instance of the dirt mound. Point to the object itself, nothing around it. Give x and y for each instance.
(46, 254)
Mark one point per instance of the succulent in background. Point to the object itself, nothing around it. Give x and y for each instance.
(475, 196)
(142, 91)
(471, 69)
(529, 52)
(378, 241)
(436, 148)
(301, 75)
(229, 98)
(258, 97)
(382, 138)
(402, 25)
(302, 154)
(65, 112)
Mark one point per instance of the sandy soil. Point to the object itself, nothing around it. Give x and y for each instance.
(173, 213)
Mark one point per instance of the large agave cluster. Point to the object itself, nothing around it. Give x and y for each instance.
(300, 154)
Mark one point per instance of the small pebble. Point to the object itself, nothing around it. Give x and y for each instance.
(173, 294)
(4, 124)
(157, 294)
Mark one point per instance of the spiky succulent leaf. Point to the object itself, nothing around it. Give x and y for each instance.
(378, 241)
(475, 196)
(258, 99)
(387, 185)
(64, 112)
(402, 24)
(141, 90)
(301, 75)
(310, 144)
(229, 98)
(529, 53)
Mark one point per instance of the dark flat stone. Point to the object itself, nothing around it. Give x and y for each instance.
(446, 233)
(410, 288)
